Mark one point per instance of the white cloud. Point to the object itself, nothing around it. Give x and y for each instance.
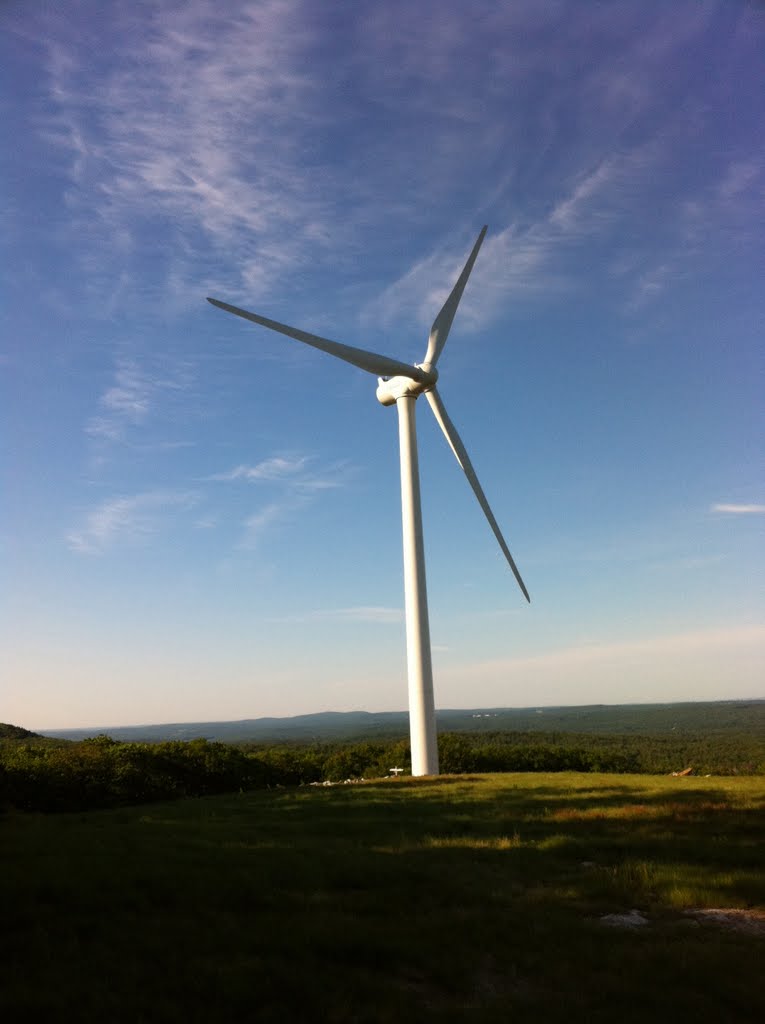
(130, 518)
(739, 510)
(361, 613)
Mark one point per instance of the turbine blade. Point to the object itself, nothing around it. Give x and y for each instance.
(439, 332)
(381, 366)
(456, 445)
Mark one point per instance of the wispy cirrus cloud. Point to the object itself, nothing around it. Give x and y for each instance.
(527, 259)
(297, 480)
(686, 563)
(123, 405)
(741, 177)
(133, 396)
(275, 468)
(729, 206)
(298, 474)
(598, 190)
(738, 510)
(570, 213)
(263, 520)
(131, 518)
(649, 284)
(202, 141)
(680, 666)
(226, 137)
(223, 147)
(362, 613)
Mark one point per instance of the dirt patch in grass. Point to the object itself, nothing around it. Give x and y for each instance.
(751, 922)
(670, 811)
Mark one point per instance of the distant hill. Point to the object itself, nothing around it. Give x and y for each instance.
(15, 732)
(714, 717)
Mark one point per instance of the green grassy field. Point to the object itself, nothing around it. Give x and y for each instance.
(462, 898)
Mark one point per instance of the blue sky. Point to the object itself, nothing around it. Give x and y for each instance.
(201, 519)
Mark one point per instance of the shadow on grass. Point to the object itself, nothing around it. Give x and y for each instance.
(449, 899)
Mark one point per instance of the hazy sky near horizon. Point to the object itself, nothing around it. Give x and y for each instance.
(201, 520)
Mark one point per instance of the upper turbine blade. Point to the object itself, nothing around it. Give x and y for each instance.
(456, 445)
(439, 332)
(381, 366)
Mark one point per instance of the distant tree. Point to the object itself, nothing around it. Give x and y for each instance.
(456, 754)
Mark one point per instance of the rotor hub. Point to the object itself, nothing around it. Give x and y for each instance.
(390, 389)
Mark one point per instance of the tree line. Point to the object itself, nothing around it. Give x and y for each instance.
(53, 775)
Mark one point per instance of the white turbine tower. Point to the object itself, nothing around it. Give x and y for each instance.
(401, 385)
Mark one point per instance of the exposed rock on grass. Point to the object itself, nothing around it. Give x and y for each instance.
(632, 919)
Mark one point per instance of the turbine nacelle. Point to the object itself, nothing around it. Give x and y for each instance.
(390, 389)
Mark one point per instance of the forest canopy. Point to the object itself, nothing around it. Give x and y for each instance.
(46, 774)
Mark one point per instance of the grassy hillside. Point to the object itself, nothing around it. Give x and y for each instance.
(471, 898)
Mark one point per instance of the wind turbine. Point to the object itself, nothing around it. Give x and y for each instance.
(401, 385)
